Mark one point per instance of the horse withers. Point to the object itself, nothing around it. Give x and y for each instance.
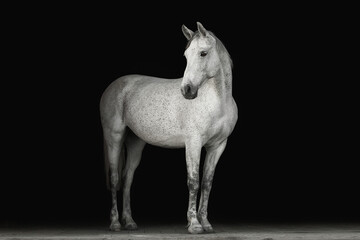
(194, 111)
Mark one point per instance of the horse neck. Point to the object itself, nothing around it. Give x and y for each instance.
(223, 80)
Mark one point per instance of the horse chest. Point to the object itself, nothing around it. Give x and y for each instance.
(217, 122)
(218, 129)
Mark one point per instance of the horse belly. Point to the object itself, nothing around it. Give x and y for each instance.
(155, 122)
(156, 131)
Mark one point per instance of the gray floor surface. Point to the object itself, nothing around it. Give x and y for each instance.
(223, 231)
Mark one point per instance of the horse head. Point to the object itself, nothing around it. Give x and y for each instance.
(203, 61)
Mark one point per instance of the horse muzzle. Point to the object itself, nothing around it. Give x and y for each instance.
(189, 91)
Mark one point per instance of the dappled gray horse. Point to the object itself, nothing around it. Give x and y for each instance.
(194, 111)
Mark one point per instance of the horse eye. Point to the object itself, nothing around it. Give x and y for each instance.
(203, 53)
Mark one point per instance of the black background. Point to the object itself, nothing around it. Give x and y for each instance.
(290, 157)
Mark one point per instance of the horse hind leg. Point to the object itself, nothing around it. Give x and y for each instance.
(134, 147)
(113, 143)
(107, 168)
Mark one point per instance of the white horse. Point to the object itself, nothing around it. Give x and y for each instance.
(194, 111)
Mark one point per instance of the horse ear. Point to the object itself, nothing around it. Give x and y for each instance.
(187, 32)
(203, 32)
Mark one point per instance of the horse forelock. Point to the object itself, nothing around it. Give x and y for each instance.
(219, 45)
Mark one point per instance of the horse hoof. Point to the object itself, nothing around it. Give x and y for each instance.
(115, 226)
(208, 229)
(131, 226)
(195, 229)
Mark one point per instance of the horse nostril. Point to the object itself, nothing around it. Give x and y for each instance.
(187, 89)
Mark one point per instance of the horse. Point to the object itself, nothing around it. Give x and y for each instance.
(195, 111)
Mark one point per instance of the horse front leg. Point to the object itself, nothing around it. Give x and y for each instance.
(212, 157)
(193, 152)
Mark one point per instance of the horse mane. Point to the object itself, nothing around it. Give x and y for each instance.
(219, 45)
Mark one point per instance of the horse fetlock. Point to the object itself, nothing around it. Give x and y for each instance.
(201, 216)
(115, 225)
(114, 212)
(191, 215)
(114, 215)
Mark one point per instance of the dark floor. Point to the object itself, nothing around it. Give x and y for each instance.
(223, 231)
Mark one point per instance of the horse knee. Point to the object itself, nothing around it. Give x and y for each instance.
(114, 178)
(206, 185)
(193, 184)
